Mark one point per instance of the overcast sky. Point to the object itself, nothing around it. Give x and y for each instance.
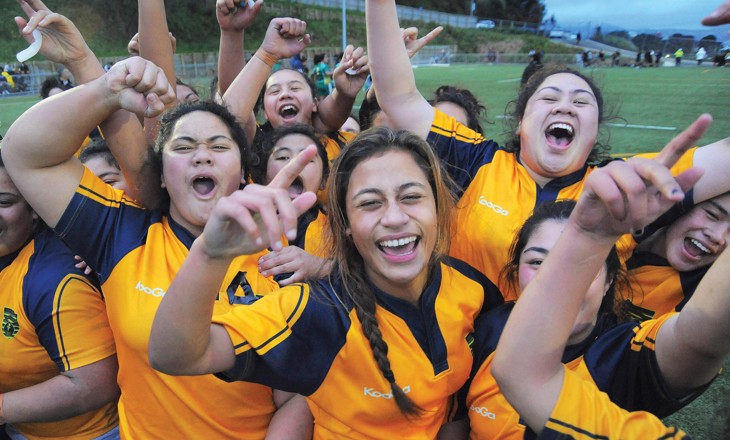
(638, 14)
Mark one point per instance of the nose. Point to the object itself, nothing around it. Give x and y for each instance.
(394, 215)
(718, 235)
(202, 156)
(564, 106)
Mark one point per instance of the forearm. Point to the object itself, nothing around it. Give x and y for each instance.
(86, 70)
(127, 141)
(63, 396)
(241, 96)
(292, 420)
(333, 111)
(691, 348)
(181, 332)
(391, 70)
(231, 59)
(154, 36)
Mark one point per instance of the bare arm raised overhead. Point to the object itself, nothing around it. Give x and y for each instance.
(42, 162)
(391, 70)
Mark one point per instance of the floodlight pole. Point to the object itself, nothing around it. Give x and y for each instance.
(344, 25)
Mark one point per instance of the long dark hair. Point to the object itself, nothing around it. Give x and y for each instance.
(348, 261)
(560, 211)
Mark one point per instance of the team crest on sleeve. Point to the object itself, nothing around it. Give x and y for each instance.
(10, 323)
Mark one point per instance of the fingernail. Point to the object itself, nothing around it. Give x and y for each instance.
(278, 246)
(26, 29)
(291, 234)
(259, 241)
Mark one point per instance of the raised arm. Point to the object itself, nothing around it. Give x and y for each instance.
(618, 198)
(284, 38)
(183, 341)
(42, 162)
(391, 70)
(154, 36)
(349, 77)
(234, 16)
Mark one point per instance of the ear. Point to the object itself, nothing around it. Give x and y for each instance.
(519, 127)
(315, 109)
(162, 181)
(348, 231)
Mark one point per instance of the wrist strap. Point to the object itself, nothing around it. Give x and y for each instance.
(266, 57)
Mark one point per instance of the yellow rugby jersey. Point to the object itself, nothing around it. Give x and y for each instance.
(307, 339)
(584, 412)
(53, 321)
(496, 193)
(618, 359)
(655, 287)
(137, 254)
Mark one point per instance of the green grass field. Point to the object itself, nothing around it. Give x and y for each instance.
(666, 97)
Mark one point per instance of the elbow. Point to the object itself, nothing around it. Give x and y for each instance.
(160, 361)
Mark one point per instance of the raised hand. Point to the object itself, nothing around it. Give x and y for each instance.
(62, 41)
(139, 86)
(352, 71)
(236, 15)
(295, 260)
(415, 44)
(625, 196)
(256, 217)
(285, 37)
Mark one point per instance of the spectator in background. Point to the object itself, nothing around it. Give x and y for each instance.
(533, 66)
(321, 74)
(616, 58)
(51, 86)
(678, 57)
(23, 68)
(701, 55)
(65, 78)
(658, 59)
(649, 58)
(577, 38)
(7, 84)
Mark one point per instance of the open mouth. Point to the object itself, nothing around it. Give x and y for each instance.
(203, 185)
(401, 246)
(288, 111)
(296, 188)
(695, 248)
(560, 134)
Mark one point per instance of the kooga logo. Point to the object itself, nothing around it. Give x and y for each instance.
(496, 208)
(377, 394)
(157, 291)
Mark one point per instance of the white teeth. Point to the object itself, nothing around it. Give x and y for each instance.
(702, 247)
(399, 242)
(288, 107)
(565, 127)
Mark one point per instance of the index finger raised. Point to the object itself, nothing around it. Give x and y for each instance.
(286, 175)
(685, 140)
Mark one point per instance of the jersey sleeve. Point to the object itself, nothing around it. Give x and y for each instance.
(631, 375)
(583, 411)
(66, 307)
(462, 150)
(101, 224)
(281, 331)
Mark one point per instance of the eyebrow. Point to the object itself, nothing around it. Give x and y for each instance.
(109, 173)
(210, 139)
(538, 249)
(574, 92)
(401, 188)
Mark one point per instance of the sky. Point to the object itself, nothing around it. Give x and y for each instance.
(638, 14)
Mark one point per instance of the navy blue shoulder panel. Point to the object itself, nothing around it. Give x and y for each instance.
(316, 339)
(102, 235)
(49, 266)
